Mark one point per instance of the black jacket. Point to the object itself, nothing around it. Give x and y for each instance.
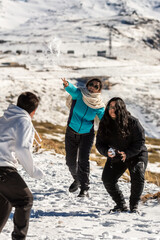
(133, 145)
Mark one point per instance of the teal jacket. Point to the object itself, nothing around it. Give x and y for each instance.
(81, 118)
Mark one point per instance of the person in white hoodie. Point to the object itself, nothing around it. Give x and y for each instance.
(16, 140)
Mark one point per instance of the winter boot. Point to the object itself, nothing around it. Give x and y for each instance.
(119, 208)
(83, 193)
(134, 209)
(74, 186)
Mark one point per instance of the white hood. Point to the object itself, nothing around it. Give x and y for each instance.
(16, 140)
(14, 111)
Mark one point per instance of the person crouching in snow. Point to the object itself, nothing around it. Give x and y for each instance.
(16, 139)
(121, 139)
(86, 104)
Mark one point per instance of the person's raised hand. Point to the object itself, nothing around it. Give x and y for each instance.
(123, 155)
(65, 83)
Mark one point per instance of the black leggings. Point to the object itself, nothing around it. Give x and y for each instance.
(79, 146)
(111, 174)
(14, 193)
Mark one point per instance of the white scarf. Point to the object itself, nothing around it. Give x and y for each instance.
(92, 100)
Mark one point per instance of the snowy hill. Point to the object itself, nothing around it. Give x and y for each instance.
(29, 11)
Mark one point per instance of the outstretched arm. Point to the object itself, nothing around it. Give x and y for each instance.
(23, 149)
(71, 89)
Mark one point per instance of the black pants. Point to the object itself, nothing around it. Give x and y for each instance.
(14, 193)
(78, 147)
(113, 171)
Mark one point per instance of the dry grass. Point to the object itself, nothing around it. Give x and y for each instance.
(153, 177)
(52, 130)
(49, 128)
(99, 161)
(152, 141)
(148, 196)
(153, 157)
(50, 144)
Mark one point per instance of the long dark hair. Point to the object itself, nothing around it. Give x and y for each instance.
(121, 122)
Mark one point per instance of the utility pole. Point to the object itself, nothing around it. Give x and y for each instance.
(110, 41)
(110, 56)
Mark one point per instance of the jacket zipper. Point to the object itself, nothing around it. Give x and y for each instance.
(83, 118)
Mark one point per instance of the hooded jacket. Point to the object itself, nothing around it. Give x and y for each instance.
(16, 140)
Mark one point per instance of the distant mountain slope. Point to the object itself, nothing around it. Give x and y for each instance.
(78, 20)
(15, 13)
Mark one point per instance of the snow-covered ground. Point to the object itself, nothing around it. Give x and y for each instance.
(60, 215)
(37, 34)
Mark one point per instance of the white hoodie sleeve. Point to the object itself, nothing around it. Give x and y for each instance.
(24, 141)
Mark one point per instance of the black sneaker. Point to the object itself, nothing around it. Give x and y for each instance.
(117, 208)
(74, 186)
(83, 193)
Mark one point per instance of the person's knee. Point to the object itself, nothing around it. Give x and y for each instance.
(138, 178)
(30, 201)
(70, 160)
(25, 201)
(71, 165)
